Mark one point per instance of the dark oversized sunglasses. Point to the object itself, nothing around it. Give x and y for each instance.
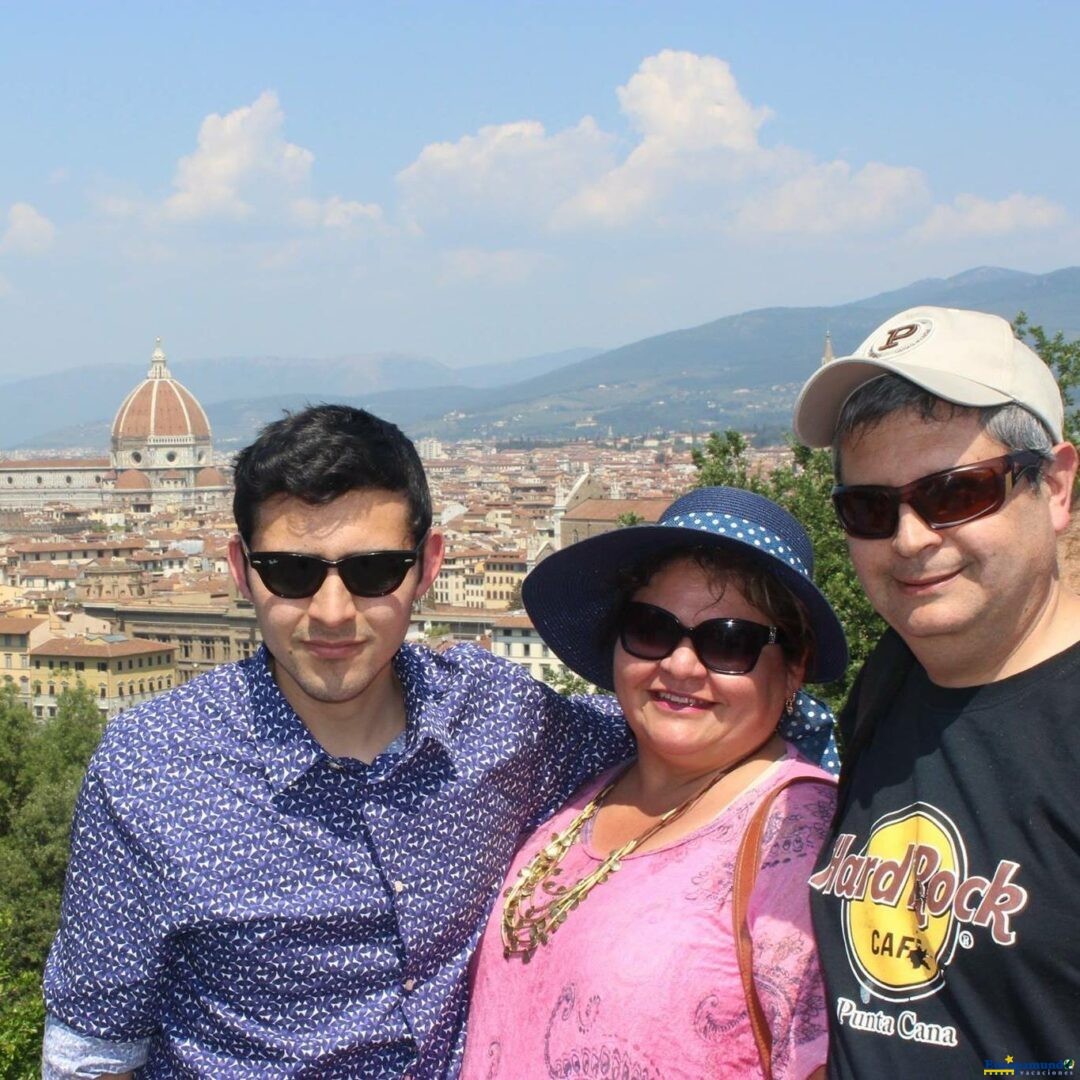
(726, 646)
(294, 575)
(942, 499)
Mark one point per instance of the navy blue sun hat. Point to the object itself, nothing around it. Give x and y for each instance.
(571, 595)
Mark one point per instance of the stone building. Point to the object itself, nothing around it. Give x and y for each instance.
(119, 672)
(161, 454)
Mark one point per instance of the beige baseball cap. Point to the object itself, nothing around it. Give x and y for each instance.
(966, 357)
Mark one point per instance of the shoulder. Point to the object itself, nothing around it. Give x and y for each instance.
(877, 682)
(469, 678)
(203, 712)
(800, 800)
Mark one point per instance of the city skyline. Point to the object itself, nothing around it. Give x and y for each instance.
(475, 183)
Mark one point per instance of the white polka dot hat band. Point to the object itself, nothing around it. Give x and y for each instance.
(740, 529)
(571, 595)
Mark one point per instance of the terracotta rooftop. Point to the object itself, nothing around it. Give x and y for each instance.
(612, 509)
(20, 624)
(81, 646)
(514, 621)
(210, 477)
(49, 570)
(160, 406)
(29, 464)
(133, 480)
(86, 547)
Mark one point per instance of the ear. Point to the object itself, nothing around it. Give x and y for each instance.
(796, 673)
(1059, 476)
(238, 567)
(434, 550)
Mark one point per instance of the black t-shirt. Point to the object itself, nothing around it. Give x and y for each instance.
(947, 905)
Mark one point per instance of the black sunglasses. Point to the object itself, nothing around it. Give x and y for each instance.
(726, 646)
(942, 499)
(293, 575)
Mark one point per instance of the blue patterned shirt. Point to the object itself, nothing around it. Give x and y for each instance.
(256, 907)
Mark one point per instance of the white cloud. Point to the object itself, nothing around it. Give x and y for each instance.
(28, 232)
(243, 169)
(680, 101)
(832, 197)
(335, 212)
(504, 171)
(238, 154)
(970, 215)
(700, 160)
(697, 130)
(506, 267)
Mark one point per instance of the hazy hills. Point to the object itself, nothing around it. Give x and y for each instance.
(742, 371)
(82, 401)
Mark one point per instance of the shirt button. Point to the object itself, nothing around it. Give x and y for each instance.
(409, 985)
(337, 766)
(399, 886)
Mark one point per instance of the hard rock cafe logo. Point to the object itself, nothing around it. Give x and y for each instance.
(906, 897)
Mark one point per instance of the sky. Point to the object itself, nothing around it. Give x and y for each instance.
(478, 182)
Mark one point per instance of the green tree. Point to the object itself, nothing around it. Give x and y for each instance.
(629, 518)
(515, 603)
(568, 683)
(803, 489)
(1063, 359)
(16, 729)
(43, 764)
(22, 1015)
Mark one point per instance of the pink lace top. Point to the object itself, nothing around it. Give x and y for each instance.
(642, 980)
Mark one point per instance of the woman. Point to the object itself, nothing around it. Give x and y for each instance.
(614, 949)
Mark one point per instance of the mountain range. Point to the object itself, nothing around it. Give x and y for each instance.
(740, 371)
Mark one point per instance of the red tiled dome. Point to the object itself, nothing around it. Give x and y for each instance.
(160, 406)
(210, 477)
(133, 480)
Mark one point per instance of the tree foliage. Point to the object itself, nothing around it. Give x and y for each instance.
(803, 489)
(1063, 359)
(568, 683)
(22, 1015)
(41, 769)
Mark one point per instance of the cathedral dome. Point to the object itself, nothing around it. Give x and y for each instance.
(160, 407)
(210, 477)
(133, 480)
(160, 425)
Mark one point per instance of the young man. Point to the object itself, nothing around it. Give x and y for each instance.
(281, 868)
(945, 906)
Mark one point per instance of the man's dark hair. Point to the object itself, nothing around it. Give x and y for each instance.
(322, 453)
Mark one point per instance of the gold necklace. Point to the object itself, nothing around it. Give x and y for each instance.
(526, 926)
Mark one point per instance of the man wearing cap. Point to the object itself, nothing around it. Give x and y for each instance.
(946, 903)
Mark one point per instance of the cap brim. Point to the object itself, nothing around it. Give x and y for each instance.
(826, 391)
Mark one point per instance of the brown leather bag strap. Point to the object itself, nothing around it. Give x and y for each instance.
(746, 868)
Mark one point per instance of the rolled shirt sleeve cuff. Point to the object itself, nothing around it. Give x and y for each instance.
(70, 1055)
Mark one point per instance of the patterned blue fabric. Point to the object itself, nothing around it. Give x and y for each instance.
(811, 727)
(259, 908)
